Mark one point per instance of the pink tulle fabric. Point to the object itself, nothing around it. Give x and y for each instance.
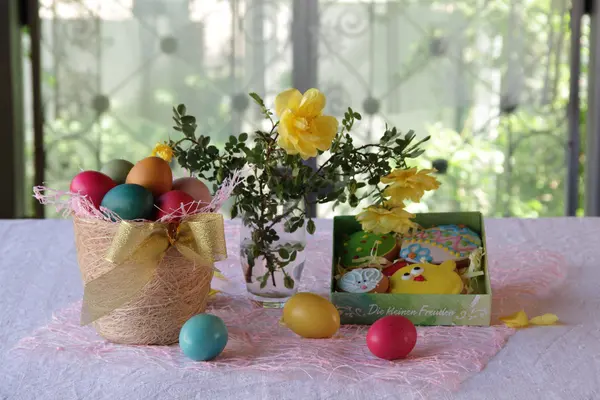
(442, 359)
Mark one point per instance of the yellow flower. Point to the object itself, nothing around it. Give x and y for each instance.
(163, 151)
(302, 127)
(380, 220)
(520, 320)
(408, 184)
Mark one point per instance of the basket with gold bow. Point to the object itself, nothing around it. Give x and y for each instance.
(143, 280)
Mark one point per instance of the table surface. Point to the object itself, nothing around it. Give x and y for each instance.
(38, 275)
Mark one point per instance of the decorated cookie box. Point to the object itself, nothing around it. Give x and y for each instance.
(422, 309)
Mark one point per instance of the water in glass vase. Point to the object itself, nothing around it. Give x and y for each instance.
(273, 276)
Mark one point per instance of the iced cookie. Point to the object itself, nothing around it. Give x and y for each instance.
(425, 278)
(438, 244)
(360, 244)
(363, 280)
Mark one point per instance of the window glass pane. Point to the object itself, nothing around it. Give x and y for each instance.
(113, 69)
(488, 80)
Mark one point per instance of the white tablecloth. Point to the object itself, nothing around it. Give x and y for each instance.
(39, 275)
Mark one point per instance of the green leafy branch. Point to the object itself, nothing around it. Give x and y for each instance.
(349, 174)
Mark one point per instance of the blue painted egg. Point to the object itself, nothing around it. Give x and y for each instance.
(130, 201)
(203, 337)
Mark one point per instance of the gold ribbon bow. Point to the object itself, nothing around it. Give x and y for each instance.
(138, 248)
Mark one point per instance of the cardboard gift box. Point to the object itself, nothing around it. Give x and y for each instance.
(426, 309)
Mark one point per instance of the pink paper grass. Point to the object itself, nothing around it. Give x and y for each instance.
(442, 359)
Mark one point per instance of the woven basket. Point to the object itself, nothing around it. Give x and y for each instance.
(178, 290)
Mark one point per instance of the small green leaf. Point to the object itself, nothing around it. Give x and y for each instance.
(243, 137)
(205, 141)
(257, 99)
(263, 283)
(234, 212)
(188, 119)
(288, 282)
(293, 255)
(188, 130)
(415, 153)
(283, 253)
(232, 140)
(310, 226)
(212, 150)
(181, 109)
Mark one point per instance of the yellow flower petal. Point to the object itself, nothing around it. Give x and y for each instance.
(398, 175)
(516, 320)
(219, 275)
(399, 194)
(408, 184)
(312, 104)
(546, 319)
(287, 100)
(324, 127)
(302, 130)
(380, 220)
(213, 292)
(163, 151)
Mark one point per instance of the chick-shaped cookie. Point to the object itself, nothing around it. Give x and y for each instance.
(425, 278)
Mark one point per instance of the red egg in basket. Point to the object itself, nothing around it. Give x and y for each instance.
(175, 202)
(92, 184)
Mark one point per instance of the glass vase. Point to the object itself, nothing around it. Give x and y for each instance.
(272, 268)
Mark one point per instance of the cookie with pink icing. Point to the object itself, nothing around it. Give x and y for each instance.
(440, 243)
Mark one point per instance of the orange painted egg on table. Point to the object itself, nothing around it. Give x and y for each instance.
(153, 173)
(92, 184)
(195, 188)
(175, 201)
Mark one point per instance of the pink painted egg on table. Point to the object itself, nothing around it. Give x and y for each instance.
(172, 201)
(92, 184)
(195, 188)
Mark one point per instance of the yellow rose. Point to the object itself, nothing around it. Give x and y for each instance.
(163, 151)
(408, 184)
(302, 127)
(380, 220)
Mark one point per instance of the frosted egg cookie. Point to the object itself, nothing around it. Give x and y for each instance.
(364, 244)
(440, 243)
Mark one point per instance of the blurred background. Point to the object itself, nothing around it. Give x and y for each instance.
(502, 86)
